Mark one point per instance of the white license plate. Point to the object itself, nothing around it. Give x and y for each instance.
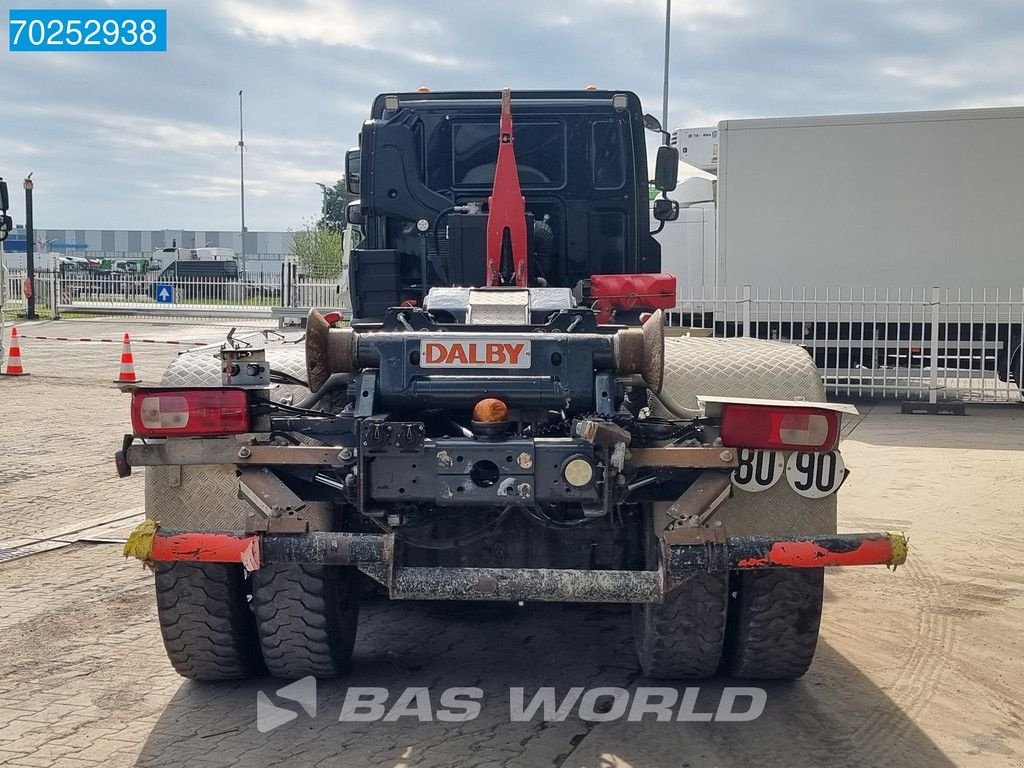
(813, 475)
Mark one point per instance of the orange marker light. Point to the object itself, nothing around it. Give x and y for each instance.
(423, 89)
(490, 410)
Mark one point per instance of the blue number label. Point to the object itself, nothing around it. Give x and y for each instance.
(87, 30)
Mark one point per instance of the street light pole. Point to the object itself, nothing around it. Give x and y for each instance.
(241, 174)
(30, 255)
(323, 199)
(664, 98)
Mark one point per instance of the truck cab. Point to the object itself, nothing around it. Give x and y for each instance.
(425, 168)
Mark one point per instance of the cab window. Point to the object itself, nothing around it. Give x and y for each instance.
(539, 148)
(607, 160)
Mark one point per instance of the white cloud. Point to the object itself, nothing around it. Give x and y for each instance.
(338, 23)
(930, 20)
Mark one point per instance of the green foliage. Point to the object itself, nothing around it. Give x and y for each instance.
(332, 215)
(318, 251)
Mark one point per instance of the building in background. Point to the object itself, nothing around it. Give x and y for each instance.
(265, 252)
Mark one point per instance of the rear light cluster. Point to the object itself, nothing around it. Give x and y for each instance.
(780, 428)
(189, 412)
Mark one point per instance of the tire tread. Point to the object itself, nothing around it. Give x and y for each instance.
(306, 616)
(206, 624)
(682, 637)
(774, 622)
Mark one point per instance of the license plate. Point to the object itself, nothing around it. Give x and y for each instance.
(474, 353)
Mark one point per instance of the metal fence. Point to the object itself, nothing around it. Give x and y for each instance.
(912, 343)
(80, 292)
(909, 343)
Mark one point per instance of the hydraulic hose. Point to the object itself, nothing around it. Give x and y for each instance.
(678, 410)
(665, 399)
(333, 382)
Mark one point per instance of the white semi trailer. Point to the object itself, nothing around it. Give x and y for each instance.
(891, 204)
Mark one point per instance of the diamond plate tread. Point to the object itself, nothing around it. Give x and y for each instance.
(205, 498)
(779, 511)
(499, 307)
(200, 498)
(202, 369)
(737, 367)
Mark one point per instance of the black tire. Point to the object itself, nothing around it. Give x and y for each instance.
(682, 638)
(306, 616)
(1009, 368)
(773, 622)
(205, 620)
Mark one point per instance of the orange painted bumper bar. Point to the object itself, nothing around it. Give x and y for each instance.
(202, 547)
(151, 544)
(749, 552)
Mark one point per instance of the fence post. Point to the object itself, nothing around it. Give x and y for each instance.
(55, 292)
(746, 310)
(933, 386)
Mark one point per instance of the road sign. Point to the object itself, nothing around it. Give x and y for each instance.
(164, 293)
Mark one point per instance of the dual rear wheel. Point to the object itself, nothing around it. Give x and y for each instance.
(760, 625)
(298, 620)
(292, 620)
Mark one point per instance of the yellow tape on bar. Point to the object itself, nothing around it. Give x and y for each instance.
(140, 542)
(899, 543)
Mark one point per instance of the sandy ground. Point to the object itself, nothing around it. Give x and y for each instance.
(921, 667)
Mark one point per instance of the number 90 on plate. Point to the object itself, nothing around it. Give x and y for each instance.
(813, 475)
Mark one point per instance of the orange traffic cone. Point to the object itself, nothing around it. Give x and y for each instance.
(14, 358)
(127, 374)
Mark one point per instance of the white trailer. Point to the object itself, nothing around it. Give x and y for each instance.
(884, 206)
(881, 200)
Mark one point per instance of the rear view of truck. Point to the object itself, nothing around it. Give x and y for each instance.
(502, 420)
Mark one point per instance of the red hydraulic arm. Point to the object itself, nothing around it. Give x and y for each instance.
(506, 218)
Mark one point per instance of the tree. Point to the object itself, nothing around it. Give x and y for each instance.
(332, 214)
(318, 250)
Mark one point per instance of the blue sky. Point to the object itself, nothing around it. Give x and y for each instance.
(148, 140)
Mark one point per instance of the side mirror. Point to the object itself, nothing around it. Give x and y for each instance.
(651, 123)
(666, 169)
(666, 210)
(5, 202)
(354, 213)
(352, 171)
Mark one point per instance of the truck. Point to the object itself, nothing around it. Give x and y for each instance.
(871, 203)
(206, 279)
(164, 256)
(503, 419)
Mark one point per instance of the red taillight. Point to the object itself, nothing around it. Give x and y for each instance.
(189, 412)
(780, 428)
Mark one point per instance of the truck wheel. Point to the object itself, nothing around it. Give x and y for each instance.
(681, 638)
(1009, 366)
(773, 622)
(306, 616)
(205, 621)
